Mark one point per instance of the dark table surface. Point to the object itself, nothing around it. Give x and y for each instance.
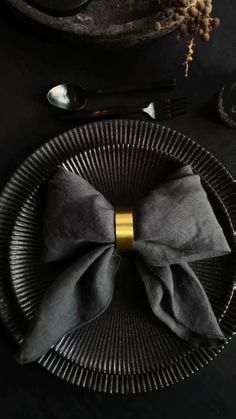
(31, 62)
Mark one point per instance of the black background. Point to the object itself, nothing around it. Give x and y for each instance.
(31, 62)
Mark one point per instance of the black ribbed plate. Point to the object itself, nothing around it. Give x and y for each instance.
(127, 349)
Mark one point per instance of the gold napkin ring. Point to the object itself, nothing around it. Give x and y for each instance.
(124, 230)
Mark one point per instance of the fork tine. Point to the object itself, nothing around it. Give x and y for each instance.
(175, 109)
(175, 106)
(169, 113)
(176, 99)
(176, 103)
(179, 106)
(173, 114)
(171, 107)
(179, 112)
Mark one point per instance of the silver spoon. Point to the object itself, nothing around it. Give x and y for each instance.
(73, 97)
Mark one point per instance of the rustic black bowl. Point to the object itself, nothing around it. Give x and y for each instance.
(108, 22)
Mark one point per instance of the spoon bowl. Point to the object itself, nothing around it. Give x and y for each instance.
(68, 96)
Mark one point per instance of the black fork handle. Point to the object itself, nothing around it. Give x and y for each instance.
(111, 112)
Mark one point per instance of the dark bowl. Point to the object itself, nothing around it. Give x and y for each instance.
(109, 22)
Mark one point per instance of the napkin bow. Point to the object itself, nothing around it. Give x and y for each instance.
(173, 225)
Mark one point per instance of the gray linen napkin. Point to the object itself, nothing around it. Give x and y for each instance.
(173, 225)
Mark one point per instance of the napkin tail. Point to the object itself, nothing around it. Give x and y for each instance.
(77, 296)
(178, 299)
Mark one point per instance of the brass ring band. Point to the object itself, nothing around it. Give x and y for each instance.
(124, 230)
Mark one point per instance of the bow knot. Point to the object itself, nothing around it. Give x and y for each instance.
(124, 230)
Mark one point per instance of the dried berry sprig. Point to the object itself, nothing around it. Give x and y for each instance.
(189, 56)
(196, 22)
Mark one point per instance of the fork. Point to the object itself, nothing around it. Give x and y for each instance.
(159, 110)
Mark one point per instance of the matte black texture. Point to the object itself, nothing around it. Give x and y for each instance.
(30, 64)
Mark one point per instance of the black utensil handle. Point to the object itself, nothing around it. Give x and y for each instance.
(158, 85)
(110, 112)
(119, 112)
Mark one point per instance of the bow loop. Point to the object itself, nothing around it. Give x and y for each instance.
(76, 216)
(176, 223)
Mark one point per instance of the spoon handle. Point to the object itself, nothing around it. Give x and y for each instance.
(158, 85)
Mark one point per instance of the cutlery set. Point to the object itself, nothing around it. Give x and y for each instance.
(74, 98)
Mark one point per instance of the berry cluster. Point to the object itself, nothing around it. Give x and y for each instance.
(195, 18)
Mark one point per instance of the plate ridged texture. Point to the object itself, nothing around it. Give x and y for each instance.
(126, 349)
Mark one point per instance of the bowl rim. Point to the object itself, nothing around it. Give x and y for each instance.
(135, 28)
